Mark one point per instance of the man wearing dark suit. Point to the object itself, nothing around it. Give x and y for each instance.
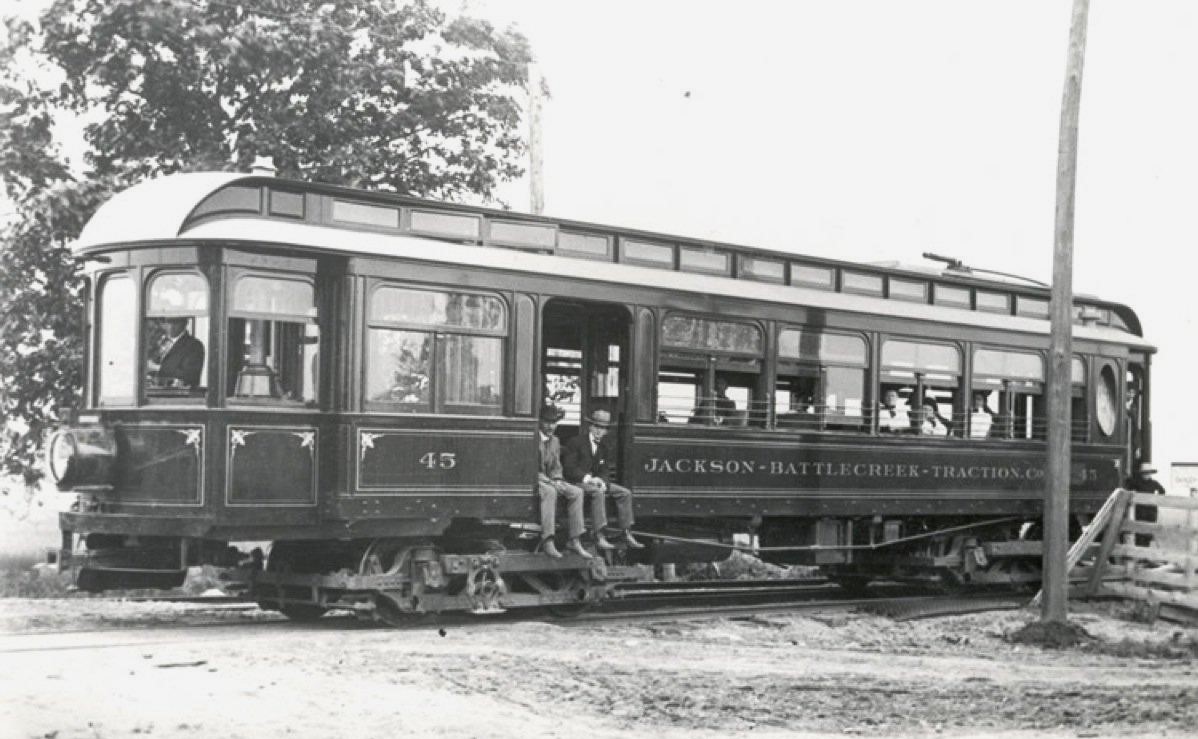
(182, 359)
(550, 485)
(587, 461)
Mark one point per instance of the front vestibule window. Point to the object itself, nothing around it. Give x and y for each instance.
(175, 335)
(435, 351)
(116, 368)
(274, 341)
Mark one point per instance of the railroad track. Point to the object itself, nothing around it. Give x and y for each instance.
(632, 603)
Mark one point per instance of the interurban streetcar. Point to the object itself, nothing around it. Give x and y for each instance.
(369, 368)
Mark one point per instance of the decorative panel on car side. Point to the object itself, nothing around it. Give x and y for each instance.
(272, 465)
(162, 465)
(446, 461)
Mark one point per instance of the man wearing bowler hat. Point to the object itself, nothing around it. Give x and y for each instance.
(550, 485)
(587, 461)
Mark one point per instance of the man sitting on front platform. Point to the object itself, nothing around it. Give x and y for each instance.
(586, 461)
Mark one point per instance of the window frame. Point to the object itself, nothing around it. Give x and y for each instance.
(1011, 386)
(437, 404)
(921, 379)
(708, 362)
(147, 314)
(235, 275)
(102, 280)
(818, 370)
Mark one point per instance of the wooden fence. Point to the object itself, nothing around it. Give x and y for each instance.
(1149, 562)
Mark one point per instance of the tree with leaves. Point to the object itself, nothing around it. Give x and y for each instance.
(381, 94)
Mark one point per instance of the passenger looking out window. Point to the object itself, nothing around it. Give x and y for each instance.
(1013, 383)
(274, 340)
(981, 418)
(710, 372)
(929, 421)
(176, 328)
(892, 414)
(921, 372)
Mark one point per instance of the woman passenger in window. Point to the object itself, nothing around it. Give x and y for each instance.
(981, 418)
(892, 416)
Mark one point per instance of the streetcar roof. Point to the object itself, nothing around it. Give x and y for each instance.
(164, 209)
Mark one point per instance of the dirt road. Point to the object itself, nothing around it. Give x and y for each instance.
(792, 675)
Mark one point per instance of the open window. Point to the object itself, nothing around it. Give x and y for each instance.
(274, 340)
(435, 351)
(175, 335)
(1012, 385)
(821, 381)
(710, 373)
(919, 389)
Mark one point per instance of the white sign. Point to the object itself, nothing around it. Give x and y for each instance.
(1183, 478)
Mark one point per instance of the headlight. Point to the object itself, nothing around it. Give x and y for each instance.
(82, 458)
(62, 450)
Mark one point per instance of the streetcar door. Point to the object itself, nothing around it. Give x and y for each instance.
(1136, 405)
(584, 356)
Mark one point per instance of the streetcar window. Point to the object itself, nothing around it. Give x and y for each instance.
(586, 246)
(1012, 384)
(764, 270)
(1080, 418)
(993, 302)
(435, 351)
(908, 290)
(1031, 307)
(686, 332)
(274, 341)
(806, 275)
(175, 335)
(956, 297)
(366, 215)
(860, 282)
(704, 261)
(919, 390)
(116, 369)
(647, 254)
(821, 380)
(523, 235)
(710, 373)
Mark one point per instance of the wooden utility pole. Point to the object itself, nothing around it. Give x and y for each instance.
(536, 183)
(1056, 489)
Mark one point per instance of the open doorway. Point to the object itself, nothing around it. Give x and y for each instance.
(584, 361)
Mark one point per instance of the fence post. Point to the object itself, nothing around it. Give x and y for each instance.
(1109, 537)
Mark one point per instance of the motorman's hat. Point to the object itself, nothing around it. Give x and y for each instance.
(1147, 468)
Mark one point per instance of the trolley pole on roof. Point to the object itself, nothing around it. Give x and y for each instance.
(1056, 490)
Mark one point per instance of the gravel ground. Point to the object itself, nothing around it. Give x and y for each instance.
(808, 674)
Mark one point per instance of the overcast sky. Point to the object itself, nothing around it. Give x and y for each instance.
(876, 131)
